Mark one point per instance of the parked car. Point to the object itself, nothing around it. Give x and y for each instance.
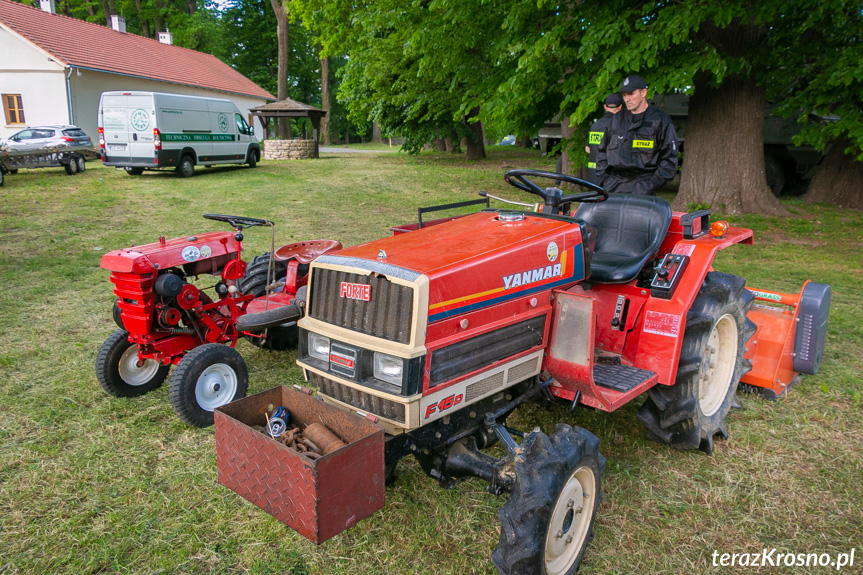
(36, 137)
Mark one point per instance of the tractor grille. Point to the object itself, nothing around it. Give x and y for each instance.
(359, 399)
(387, 315)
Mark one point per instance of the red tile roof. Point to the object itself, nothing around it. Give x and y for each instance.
(87, 45)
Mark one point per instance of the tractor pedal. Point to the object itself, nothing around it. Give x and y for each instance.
(620, 378)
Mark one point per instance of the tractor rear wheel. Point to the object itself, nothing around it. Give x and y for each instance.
(121, 373)
(689, 413)
(208, 376)
(255, 282)
(548, 521)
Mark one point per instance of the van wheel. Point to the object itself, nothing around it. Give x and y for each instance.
(253, 158)
(186, 168)
(134, 171)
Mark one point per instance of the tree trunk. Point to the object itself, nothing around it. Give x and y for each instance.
(325, 99)
(724, 161)
(191, 6)
(838, 180)
(523, 142)
(452, 146)
(439, 145)
(145, 25)
(475, 148)
(376, 134)
(566, 131)
(281, 12)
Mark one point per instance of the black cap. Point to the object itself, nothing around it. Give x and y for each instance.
(614, 100)
(631, 84)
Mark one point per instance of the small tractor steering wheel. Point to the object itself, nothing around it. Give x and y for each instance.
(239, 222)
(554, 197)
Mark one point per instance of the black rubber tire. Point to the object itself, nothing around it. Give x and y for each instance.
(81, 163)
(253, 158)
(72, 167)
(798, 188)
(2, 178)
(205, 359)
(775, 173)
(108, 368)
(134, 171)
(542, 471)
(255, 282)
(676, 415)
(186, 167)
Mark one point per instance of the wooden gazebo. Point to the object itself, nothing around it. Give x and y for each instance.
(288, 108)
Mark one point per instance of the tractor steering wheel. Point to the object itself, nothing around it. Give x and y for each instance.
(239, 222)
(554, 197)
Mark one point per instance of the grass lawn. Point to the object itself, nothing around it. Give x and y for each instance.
(94, 484)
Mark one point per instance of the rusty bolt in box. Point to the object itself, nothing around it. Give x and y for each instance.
(319, 499)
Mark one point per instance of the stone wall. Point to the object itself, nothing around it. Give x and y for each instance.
(290, 149)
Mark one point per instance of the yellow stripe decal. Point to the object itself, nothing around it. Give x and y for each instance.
(489, 292)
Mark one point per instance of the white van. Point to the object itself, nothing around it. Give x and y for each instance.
(149, 131)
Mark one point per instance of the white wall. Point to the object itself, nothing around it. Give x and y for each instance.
(88, 87)
(40, 80)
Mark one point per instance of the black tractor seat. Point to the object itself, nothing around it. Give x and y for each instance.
(630, 228)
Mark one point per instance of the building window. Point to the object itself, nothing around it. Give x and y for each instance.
(14, 108)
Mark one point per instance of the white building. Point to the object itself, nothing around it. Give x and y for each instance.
(53, 69)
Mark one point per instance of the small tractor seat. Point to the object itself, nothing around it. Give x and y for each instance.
(630, 228)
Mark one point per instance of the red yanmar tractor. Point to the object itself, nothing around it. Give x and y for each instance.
(165, 319)
(438, 334)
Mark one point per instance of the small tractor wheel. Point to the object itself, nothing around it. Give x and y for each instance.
(121, 373)
(253, 158)
(71, 167)
(209, 376)
(134, 171)
(186, 167)
(255, 282)
(689, 413)
(2, 177)
(548, 520)
(81, 163)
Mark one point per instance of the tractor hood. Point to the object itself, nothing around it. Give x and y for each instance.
(479, 260)
(164, 254)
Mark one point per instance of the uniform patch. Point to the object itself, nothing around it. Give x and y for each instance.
(662, 323)
(643, 144)
(594, 138)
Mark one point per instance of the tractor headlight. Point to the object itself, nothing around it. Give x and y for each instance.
(319, 346)
(388, 368)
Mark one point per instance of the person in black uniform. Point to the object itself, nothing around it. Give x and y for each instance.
(638, 154)
(612, 105)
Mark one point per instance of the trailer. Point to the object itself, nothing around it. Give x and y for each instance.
(71, 158)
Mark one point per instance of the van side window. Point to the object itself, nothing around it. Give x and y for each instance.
(242, 126)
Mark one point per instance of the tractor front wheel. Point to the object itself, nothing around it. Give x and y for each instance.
(209, 376)
(255, 282)
(121, 373)
(548, 521)
(689, 413)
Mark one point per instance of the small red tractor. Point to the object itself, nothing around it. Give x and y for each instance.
(440, 333)
(165, 319)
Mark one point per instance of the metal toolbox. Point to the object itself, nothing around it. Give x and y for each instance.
(317, 498)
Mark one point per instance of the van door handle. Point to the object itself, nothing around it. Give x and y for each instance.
(135, 137)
